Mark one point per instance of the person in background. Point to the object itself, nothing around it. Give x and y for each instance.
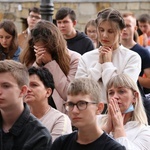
(9, 48)
(83, 105)
(144, 26)
(91, 31)
(19, 129)
(34, 16)
(76, 41)
(48, 48)
(41, 87)
(126, 120)
(111, 58)
(128, 41)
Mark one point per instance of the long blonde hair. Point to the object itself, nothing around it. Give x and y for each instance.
(123, 80)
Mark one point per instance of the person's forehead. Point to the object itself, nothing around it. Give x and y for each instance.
(79, 97)
(4, 76)
(33, 13)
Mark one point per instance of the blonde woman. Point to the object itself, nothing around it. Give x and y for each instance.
(126, 120)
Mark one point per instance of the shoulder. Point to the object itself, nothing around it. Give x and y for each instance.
(140, 50)
(57, 114)
(23, 33)
(83, 36)
(110, 143)
(64, 139)
(127, 52)
(74, 54)
(91, 54)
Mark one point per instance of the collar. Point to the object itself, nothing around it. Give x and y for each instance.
(19, 124)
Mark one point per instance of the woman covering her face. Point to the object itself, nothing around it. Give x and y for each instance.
(126, 120)
(48, 48)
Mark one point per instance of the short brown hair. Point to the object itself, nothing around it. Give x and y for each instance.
(17, 70)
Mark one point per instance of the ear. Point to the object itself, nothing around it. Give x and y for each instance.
(74, 23)
(135, 28)
(135, 96)
(24, 90)
(49, 92)
(100, 108)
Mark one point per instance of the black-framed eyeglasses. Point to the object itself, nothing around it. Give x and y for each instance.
(81, 105)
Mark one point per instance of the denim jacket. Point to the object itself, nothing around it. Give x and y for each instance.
(15, 56)
(27, 133)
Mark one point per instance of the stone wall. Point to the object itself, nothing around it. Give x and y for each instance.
(18, 11)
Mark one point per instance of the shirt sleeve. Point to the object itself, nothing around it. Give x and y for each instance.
(94, 72)
(132, 69)
(141, 141)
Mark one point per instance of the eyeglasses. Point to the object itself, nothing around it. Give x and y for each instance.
(81, 105)
(36, 17)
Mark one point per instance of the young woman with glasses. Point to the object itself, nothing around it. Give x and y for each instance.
(83, 105)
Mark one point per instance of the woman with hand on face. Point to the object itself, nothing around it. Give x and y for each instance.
(48, 48)
(41, 87)
(9, 48)
(126, 120)
(111, 58)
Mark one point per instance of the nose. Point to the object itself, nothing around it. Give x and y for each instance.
(116, 96)
(4, 40)
(61, 25)
(105, 34)
(29, 90)
(75, 109)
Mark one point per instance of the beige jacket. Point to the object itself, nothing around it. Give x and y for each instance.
(61, 80)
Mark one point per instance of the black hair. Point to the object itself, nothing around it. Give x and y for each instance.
(65, 11)
(35, 10)
(47, 79)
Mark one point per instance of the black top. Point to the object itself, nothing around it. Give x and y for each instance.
(27, 133)
(81, 43)
(145, 57)
(68, 142)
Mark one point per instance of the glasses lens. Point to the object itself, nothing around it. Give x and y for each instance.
(69, 106)
(82, 105)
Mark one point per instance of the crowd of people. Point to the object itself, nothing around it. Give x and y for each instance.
(63, 89)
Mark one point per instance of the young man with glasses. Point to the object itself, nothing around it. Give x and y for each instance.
(83, 106)
(32, 19)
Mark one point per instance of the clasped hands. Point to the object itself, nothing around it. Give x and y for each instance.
(105, 54)
(42, 56)
(115, 120)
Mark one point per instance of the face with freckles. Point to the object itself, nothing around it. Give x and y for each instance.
(124, 96)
